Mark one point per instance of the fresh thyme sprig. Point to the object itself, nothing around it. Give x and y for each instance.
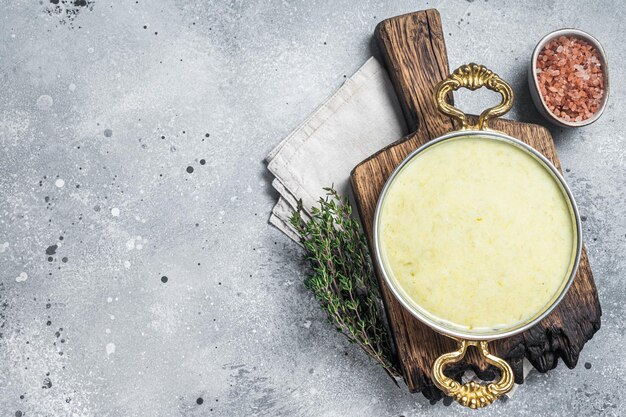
(342, 279)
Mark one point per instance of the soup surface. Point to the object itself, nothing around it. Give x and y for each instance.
(478, 234)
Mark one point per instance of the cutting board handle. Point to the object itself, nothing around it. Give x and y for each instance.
(414, 52)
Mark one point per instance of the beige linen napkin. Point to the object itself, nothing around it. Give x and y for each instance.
(362, 117)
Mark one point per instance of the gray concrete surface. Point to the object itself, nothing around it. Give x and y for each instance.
(105, 105)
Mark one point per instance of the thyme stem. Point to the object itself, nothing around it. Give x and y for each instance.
(342, 278)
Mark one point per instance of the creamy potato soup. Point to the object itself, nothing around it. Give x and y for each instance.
(477, 233)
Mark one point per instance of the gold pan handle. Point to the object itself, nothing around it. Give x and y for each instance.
(471, 394)
(473, 77)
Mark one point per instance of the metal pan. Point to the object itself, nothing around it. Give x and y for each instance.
(475, 395)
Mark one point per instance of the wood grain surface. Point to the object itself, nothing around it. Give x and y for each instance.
(414, 51)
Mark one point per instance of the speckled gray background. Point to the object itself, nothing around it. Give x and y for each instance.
(103, 107)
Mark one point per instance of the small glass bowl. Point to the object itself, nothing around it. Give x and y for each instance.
(533, 81)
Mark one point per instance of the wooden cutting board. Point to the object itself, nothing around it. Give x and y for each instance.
(415, 55)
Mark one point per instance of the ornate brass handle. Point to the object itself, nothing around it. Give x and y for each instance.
(473, 77)
(471, 394)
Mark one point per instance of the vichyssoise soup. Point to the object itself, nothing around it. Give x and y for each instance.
(477, 233)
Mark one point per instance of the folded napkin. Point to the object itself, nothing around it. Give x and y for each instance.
(362, 117)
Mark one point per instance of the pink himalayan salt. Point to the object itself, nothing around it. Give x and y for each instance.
(571, 78)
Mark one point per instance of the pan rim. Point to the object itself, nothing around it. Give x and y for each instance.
(439, 326)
